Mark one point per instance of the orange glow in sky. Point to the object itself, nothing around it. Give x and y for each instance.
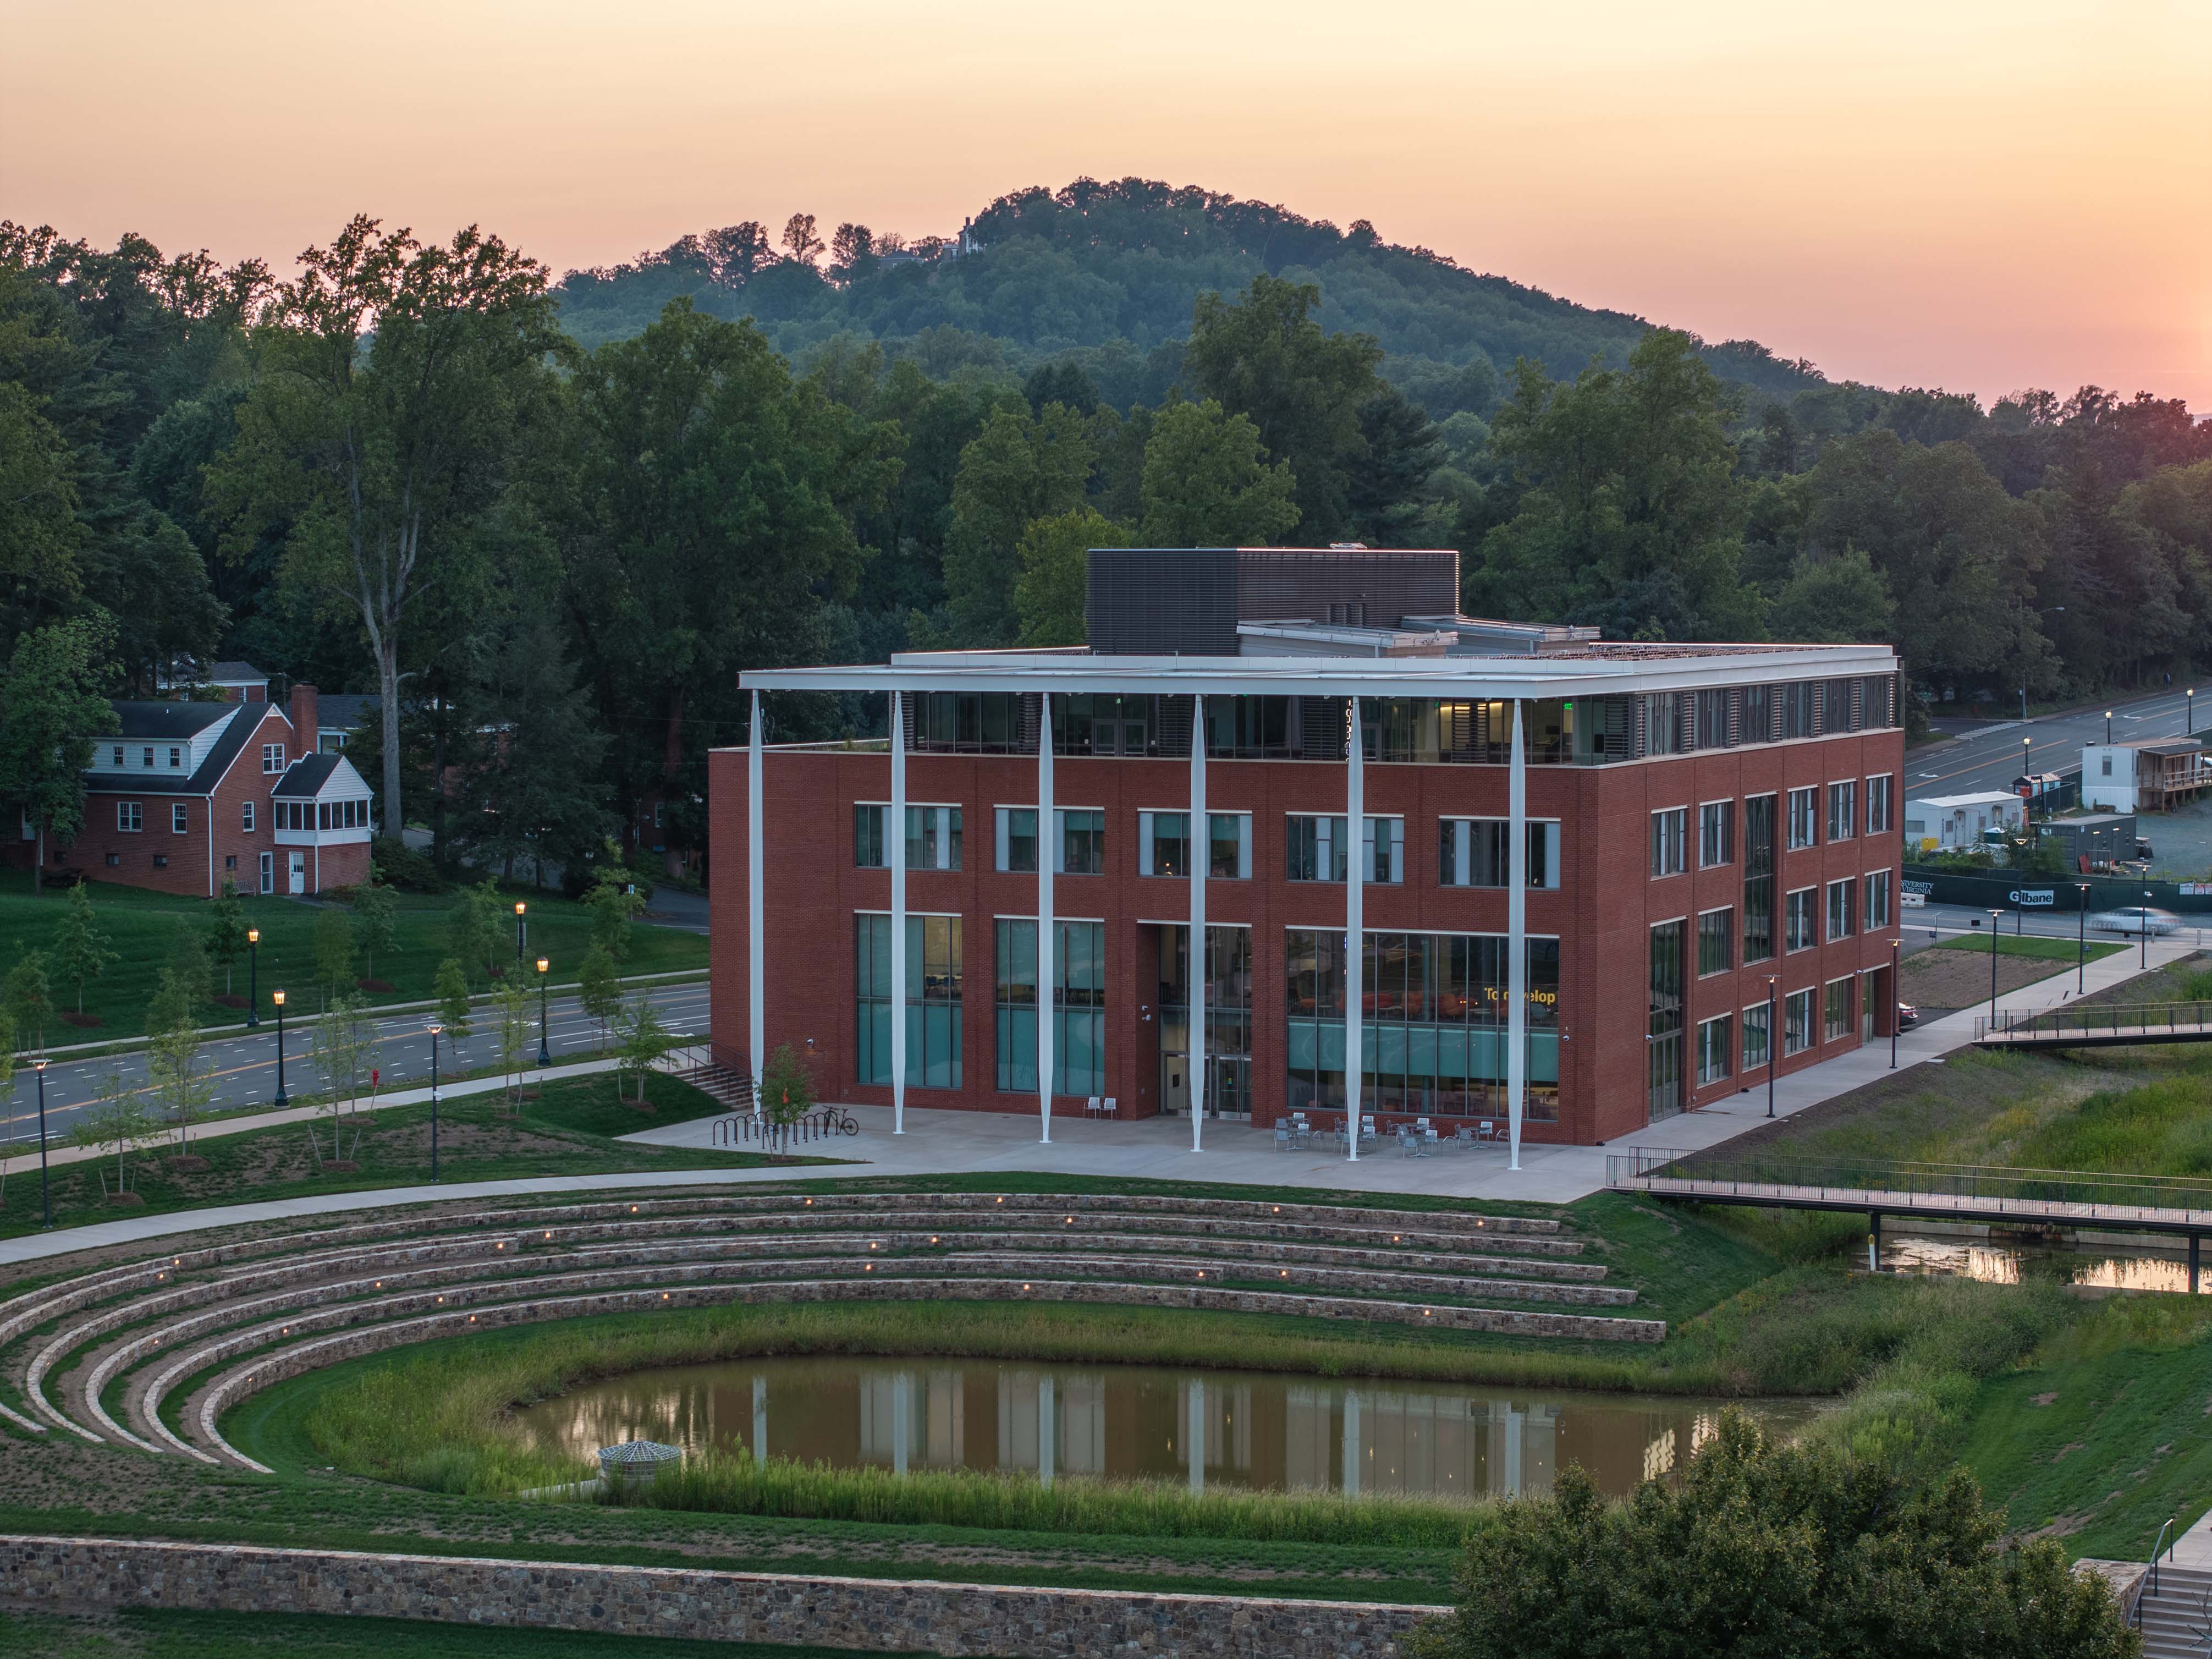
(1972, 194)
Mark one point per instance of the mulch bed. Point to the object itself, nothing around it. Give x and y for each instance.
(227, 1001)
(378, 985)
(82, 1022)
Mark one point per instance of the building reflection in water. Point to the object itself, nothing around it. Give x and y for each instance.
(1996, 1262)
(1224, 1430)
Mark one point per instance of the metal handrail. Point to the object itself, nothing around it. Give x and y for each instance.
(2148, 1585)
(2087, 1189)
(2088, 1017)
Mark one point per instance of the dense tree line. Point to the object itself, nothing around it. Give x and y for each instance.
(422, 470)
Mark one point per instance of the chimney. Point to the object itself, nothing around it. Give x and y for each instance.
(305, 735)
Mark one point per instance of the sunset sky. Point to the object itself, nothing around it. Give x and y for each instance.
(1962, 193)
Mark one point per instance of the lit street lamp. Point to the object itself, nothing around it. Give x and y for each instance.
(2108, 726)
(518, 907)
(435, 1028)
(252, 977)
(45, 1193)
(545, 1055)
(277, 997)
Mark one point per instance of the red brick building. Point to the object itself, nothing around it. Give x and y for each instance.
(185, 796)
(1687, 829)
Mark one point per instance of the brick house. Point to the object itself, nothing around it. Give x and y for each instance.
(182, 797)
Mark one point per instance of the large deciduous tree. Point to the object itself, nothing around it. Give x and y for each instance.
(397, 383)
(1206, 483)
(51, 709)
(1019, 468)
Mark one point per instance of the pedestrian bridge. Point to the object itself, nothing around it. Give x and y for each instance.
(2097, 1027)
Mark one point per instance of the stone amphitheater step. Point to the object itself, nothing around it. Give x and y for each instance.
(2177, 1622)
(156, 1322)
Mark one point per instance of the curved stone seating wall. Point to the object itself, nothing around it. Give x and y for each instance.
(99, 1353)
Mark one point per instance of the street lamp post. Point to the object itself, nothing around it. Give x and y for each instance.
(277, 997)
(45, 1191)
(545, 1054)
(435, 1028)
(2080, 935)
(1995, 916)
(1895, 946)
(2189, 708)
(2145, 930)
(518, 909)
(252, 977)
(2108, 726)
(2027, 746)
(1773, 1043)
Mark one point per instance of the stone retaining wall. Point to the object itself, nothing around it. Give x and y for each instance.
(871, 1615)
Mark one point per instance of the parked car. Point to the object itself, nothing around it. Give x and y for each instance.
(1907, 1016)
(2137, 918)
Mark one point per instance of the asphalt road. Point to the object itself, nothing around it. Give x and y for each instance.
(245, 1061)
(1990, 757)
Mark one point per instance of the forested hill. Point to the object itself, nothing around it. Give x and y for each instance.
(1106, 275)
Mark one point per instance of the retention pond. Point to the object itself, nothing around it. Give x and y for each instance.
(1240, 1430)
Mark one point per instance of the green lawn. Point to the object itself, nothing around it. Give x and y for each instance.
(142, 927)
(569, 1131)
(149, 1634)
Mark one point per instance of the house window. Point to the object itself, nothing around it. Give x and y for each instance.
(160, 860)
(118, 751)
(130, 817)
(1877, 899)
(272, 757)
(114, 860)
(1797, 1022)
(1715, 834)
(1835, 1010)
(1804, 819)
(1383, 851)
(246, 815)
(1716, 941)
(1879, 822)
(932, 999)
(1756, 1036)
(1716, 1046)
(1841, 909)
(1667, 831)
(180, 819)
(1472, 853)
(230, 861)
(176, 757)
(1798, 919)
(1164, 844)
(1314, 848)
(1843, 810)
(1079, 1049)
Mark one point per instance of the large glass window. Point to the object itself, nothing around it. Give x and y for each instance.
(1758, 1034)
(1669, 832)
(1715, 834)
(1843, 810)
(1835, 1010)
(970, 722)
(1079, 1007)
(1472, 853)
(1804, 817)
(1383, 849)
(1715, 1048)
(1711, 719)
(1797, 1022)
(1758, 879)
(1227, 1001)
(1877, 900)
(1835, 705)
(1016, 834)
(1842, 909)
(1879, 821)
(933, 837)
(1314, 848)
(1758, 723)
(1164, 844)
(932, 999)
(1801, 919)
(868, 838)
(1662, 723)
(1716, 942)
(1797, 707)
(1082, 841)
(1434, 1014)
(1664, 1022)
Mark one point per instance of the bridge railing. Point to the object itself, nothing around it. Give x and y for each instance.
(2091, 1018)
(1658, 1170)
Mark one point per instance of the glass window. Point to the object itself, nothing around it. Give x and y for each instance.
(1662, 723)
(868, 838)
(933, 838)
(1757, 724)
(1715, 1048)
(246, 814)
(1163, 843)
(1877, 900)
(1843, 810)
(1797, 1022)
(1711, 718)
(1804, 822)
(272, 757)
(1082, 841)
(1715, 834)
(1472, 853)
(1758, 879)
(1664, 1026)
(1716, 941)
(119, 755)
(1796, 699)
(1314, 848)
(1383, 851)
(129, 816)
(1016, 834)
(1667, 832)
(1835, 1010)
(1836, 705)
(1079, 1007)
(180, 818)
(1756, 1036)
(1799, 921)
(1229, 838)
(933, 993)
(1841, 909)
(1878, 806)
(176, 756)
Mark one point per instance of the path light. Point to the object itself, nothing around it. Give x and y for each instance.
(545, 1054)
(276, 996)
(252, 977)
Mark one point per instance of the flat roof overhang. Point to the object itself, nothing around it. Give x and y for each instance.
(1473, 678)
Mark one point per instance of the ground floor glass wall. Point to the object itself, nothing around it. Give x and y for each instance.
(1228, 1005)
(933, 1000)
(1433, 1008)
(1079, 1007)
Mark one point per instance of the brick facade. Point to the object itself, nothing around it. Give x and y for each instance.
(1601, 912)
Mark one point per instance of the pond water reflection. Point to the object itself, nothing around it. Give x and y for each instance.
(2001, 1262)
(1243, 1430)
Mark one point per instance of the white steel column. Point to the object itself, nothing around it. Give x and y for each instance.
(894, 839)
(1355, 924)
(1047, 845)
(756, 923)
(1516, 937)
(1200, 844)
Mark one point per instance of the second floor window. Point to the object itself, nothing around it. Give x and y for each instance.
(1842, 911)
(1804, 819)
(246, 817)
(1715, 834)
(933, 837)
(1474, 853)
(1668, 831)
(1843, 810)
(176, 757)
(272, 757)
(1164, 844)
(1383, 849)
(1314, 848)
